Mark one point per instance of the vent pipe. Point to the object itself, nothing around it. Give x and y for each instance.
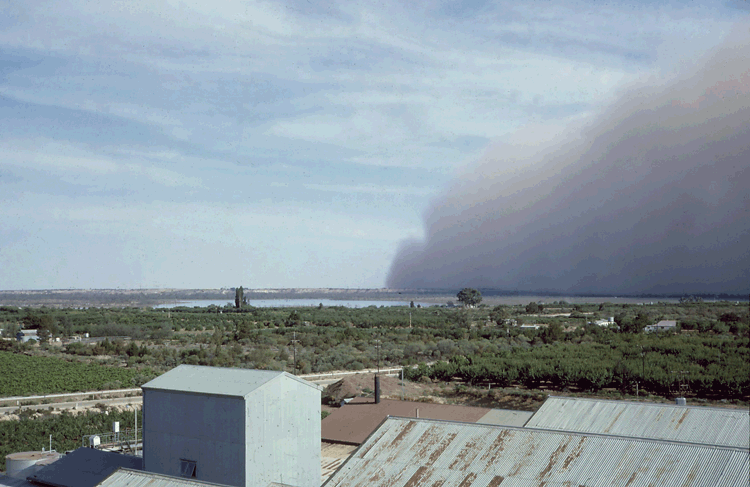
(417, 414)
(377, 389)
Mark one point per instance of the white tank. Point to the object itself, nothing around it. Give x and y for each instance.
(23, 464)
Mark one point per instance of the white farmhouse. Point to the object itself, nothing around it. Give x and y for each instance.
(26, 335)
(232, 426)
(664, 325)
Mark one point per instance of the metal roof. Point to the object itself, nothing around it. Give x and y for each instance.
(218, 381)
(126, 477)
(6, 481)
(407, 452)
(354, 422)
(84, 467)
(711, 426)
(506, 417)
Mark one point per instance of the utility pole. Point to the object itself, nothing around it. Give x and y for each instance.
(294, 347)
(643, 366)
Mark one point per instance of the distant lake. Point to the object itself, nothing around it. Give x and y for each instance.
(293, 303)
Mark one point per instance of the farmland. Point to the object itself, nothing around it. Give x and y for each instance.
(706, 356)
(28, 375)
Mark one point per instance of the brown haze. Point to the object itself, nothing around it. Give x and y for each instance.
(652, 195)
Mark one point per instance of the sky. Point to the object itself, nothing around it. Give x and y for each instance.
(341, 144)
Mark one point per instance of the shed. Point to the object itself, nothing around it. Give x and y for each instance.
(232, 426)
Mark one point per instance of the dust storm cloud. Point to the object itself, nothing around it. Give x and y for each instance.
(651, 195)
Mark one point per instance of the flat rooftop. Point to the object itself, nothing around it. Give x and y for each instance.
(352, 424)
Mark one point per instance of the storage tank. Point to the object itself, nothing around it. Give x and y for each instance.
(23, 464)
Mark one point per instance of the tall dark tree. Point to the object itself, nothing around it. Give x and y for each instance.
(239, 298)
(469, 297)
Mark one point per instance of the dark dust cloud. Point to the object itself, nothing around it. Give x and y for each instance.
(652, 195)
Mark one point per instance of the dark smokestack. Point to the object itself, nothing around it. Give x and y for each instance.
(377, 389)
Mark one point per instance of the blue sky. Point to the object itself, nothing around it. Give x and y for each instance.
(284, 144)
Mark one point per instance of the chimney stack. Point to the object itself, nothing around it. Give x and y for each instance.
(377, 389)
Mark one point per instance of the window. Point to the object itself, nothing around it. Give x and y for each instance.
(187, 468)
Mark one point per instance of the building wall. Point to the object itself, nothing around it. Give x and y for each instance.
(203, 428)
(283, 434)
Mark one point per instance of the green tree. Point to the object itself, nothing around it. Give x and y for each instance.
(499, 314)
(469, 297)
(10, 330)
(239, 297)
(553, 333)
(532, 308)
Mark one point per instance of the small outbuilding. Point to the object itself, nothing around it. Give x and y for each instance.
(664, 325)
(232, 426)
(26, 335)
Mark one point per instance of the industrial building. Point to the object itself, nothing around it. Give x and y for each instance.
(232, 426)
(413, 452)
(692, 424)
(207, 426)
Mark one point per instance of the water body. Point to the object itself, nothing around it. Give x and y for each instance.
(292, 303)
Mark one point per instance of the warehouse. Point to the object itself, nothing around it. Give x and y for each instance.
(412, 452)
(693, 424)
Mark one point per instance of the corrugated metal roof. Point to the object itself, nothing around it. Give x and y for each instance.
(217, 380)
(506, 417)
(84, 467)
(126, 477)
(712, 426)
(407, 452)
(332, 455)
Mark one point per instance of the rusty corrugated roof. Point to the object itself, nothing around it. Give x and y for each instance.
(713, 426)
(407, 452)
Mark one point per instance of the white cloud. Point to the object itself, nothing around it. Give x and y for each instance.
(78, 165)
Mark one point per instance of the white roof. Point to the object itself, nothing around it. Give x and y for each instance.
(705, 425)
(218, 381)
(666, 323)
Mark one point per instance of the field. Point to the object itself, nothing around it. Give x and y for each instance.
(24, 375)
(706, 356)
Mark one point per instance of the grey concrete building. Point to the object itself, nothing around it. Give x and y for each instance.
(232, 426)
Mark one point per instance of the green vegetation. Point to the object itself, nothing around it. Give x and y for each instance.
(476, 345)
(707, 367)
(67, 430)
(24, 376)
